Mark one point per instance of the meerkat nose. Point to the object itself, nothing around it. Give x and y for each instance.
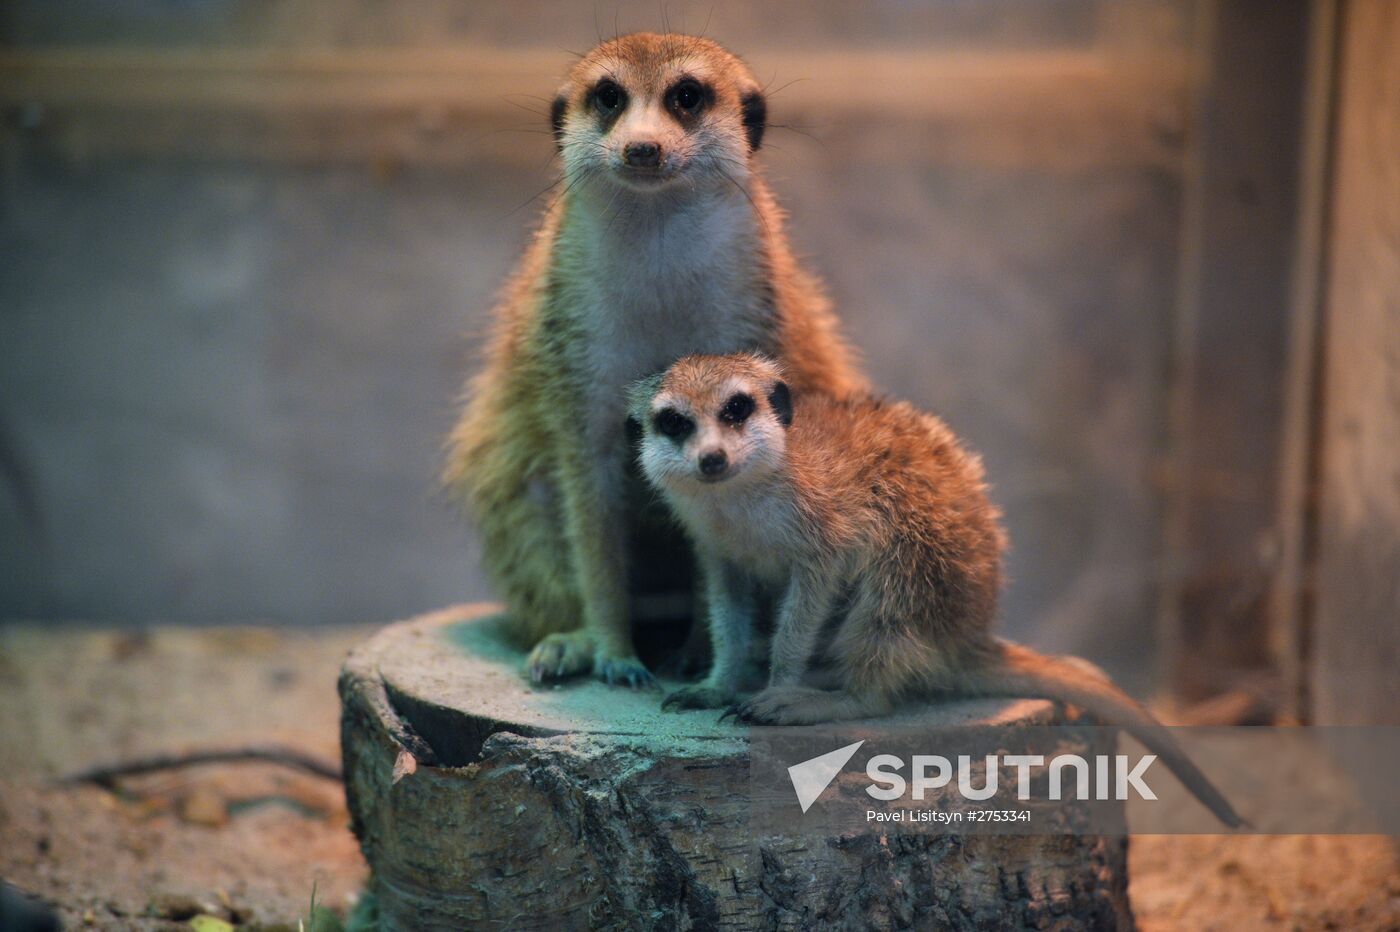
(714, 463)
(642, 154)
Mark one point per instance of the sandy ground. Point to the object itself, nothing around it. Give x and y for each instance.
(248, 842)
(244, 842)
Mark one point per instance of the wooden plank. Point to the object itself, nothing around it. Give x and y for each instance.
(742, 25)
(1356, 649)
(1230, 347)
(1070, 108)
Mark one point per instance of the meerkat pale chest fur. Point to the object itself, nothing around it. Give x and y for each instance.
(870, 525)
(677, 275)
(663, 241)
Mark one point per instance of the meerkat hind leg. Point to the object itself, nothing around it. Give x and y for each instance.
(523, 552)
(863, 668)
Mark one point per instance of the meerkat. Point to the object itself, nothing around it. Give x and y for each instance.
(871, 526)
(663, 241)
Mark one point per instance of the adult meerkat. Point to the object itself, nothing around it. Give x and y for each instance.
(664, 241)
(871, 526)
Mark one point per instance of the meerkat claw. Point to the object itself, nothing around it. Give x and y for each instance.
(627, 672)
(769, 707)
(695, 697)
(559, 656)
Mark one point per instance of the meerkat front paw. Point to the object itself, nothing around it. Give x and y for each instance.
(783, 705)
(804, 705)
(559, 656)
(624, 671)
(698, 696)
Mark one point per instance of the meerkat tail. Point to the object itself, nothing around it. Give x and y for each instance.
(1025, 673)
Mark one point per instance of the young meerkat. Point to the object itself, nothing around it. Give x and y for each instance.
(664, 241)
(870, 525)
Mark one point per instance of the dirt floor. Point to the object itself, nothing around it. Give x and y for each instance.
(243, 842)
(248, 842)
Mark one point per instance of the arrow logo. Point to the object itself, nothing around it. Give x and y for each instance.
(811, 777)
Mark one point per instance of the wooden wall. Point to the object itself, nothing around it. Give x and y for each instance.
(1231, 345)
(253, 242)
(1355, 636)
(1140, 252)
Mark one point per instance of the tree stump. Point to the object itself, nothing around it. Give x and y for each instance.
(480, 802)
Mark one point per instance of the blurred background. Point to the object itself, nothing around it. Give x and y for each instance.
(248, 249)
(1143, 254)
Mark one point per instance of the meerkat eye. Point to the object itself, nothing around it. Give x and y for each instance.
(737, 409)
(608, 98)
(671, 423)
(687, 98)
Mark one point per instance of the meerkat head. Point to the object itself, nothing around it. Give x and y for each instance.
(712, 419)
(646, 111)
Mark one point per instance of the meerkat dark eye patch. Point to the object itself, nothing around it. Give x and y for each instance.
(608, 99)
(780, 400)
(671, 423)
(737, 409)
(755, 110)
(688, 97)
(557, 109)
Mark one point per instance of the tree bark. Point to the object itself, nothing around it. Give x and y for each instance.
(482, 803)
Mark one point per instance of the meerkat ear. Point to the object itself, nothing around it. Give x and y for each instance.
(755, 109)
(556, 119)
(780, 400)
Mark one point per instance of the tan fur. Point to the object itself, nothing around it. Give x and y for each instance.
(621, 278)
(872, 524)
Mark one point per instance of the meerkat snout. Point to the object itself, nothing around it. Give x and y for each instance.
(642, 155)
(713, 465)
